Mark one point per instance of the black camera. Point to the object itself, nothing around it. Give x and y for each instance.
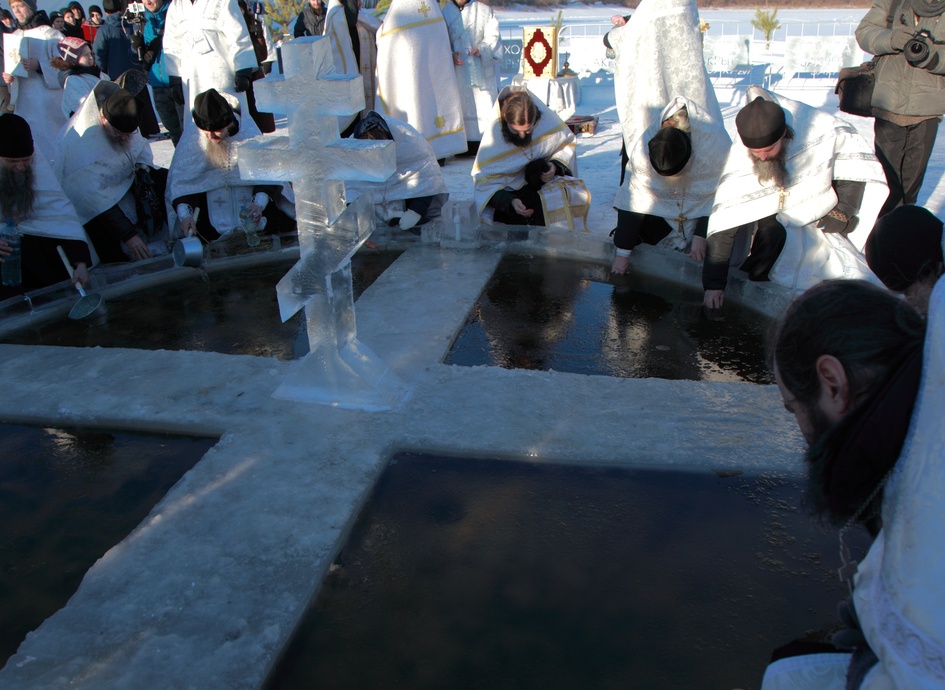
(917, 49)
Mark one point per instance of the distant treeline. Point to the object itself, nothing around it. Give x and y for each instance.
(713, 4)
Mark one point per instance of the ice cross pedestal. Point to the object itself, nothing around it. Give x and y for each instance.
(338, 370)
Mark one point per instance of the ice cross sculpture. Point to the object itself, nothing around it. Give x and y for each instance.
(338, 370)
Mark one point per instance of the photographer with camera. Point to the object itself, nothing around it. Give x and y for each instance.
(908, 41)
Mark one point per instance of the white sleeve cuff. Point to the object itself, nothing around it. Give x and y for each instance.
(261, 199)
(184, 211)
(622, 252)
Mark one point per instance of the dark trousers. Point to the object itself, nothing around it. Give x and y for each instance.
(277, 221)
(904, 154)
(766, 247)
(634, 228)
(171, 112)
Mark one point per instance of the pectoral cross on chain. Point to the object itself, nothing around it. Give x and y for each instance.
(848, 566)
(424, 9)
(680, 219)
(781, 194)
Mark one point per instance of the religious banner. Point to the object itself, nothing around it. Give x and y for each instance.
(15, 50)
(540, 52)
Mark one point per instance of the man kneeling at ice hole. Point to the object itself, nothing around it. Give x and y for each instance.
(864, 376)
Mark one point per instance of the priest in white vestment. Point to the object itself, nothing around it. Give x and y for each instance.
(673, 131)
(524, 138)
(205, 175)
(97, 155)
(415, 78)
(35, 92)
(33, 201)
(878, 454)
(807, 186)
(415, 193)
(478, 76)
(207, 44)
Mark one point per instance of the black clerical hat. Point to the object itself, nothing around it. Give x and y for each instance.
(904, 246)
(670, 150)
(16, 139)
(112, 6)
(760, 123)
(212, 112)
(121, 111)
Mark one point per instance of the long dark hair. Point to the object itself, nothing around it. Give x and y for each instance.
(864, 326)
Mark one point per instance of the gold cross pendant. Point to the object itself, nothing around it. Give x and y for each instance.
(680, 219)
(781, 194)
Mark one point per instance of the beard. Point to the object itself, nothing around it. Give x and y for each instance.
(513, 138)
(773, 169)
(218, 152)
(16, 192)
(118, 143)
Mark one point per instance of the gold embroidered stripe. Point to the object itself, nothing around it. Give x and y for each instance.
(405, 27)
(461, 128)
(507, 154)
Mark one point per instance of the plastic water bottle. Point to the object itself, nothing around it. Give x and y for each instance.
(11, 273)
(476, 78)
(249, 227)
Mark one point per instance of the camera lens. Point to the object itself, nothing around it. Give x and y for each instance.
(916, 51)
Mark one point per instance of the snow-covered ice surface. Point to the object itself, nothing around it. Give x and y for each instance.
(206, 591)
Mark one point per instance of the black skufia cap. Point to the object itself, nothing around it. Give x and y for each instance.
(212, 112)
(670, 150)
(760, 123)
(121, 111)
(904, 246)
(16, 139)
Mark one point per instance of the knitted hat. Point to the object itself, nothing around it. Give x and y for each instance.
(72, 48)
(112, 6)
(29, 3)
(95, 8)
(760, 123)
(16, 139)
(212, 112)
(904, 246)
(669, 150)
(121, 111)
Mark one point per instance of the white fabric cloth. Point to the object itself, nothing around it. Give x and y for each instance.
(205, 43)
(415, 78)
(192, 173)
(367, 35)
(75, 90)
(94, 174)
(501, 165)
(482, 31)
(36, 97)
(660, 68)
(459, 42)
(659, 57)
(418, 174)
(342, 52)
(53, 215)
(824, 148)
(898, 596)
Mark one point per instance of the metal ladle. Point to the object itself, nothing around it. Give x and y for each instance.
(88, 304)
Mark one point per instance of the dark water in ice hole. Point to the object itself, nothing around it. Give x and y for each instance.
(552, 314)
(236, 313)
(66, 497)
(495, 574)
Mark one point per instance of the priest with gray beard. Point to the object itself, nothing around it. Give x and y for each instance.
(31, 198)
(98, 156)
(805, 186)
(205, 175)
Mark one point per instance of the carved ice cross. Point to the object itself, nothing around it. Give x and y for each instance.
(339, 370)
